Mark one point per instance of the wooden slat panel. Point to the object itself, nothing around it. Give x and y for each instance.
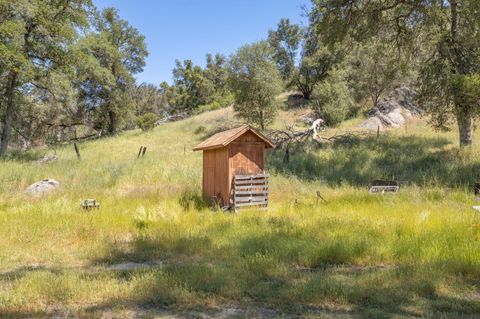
(254, 182)
(378, 189)
(242, 177)
(251, 193)
(251, 190)
(251, 199)
(249, 204)
(251, 187)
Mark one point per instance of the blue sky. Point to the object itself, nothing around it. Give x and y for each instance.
(189, 29)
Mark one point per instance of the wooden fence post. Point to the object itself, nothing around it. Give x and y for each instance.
(77, 151)
(378, 131)
(286, 158)
(140, 152)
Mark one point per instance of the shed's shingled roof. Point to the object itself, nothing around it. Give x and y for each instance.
(222, 139)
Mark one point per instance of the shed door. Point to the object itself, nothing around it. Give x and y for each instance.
(247, 158)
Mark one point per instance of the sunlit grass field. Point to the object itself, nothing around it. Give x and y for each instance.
(411, 254)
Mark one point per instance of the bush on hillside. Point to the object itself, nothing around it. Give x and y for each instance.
(332, 101)
(218, 103)
(147, 121)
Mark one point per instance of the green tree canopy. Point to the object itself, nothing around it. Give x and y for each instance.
(120, 52)
(255, 82)
(444, 35)
(193, 88)
(35, 38)
(285, 41)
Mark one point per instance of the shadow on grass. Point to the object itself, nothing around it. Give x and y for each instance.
(192, 199)
(263, 272)
(358, 161)
(24, 156)
(287, 270)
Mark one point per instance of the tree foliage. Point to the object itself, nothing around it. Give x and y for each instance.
(375, 69)
(443, 35)
(147, 121)
(148, 98)
(291, 43)
(120, 52)
(195, 87)
(286, 41)
(332, 99)
(255, 82)
(35, 38)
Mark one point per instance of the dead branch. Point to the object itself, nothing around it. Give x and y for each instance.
(86, 137)
(290, 136)
(172, 118)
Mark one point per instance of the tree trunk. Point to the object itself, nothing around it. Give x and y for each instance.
(262, 121)
(7, 121)
(465, 129)
(305, 89)
(112, 125)
(454, 18)
(307, 95)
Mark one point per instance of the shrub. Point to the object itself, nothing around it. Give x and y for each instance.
(147, 122)
(218, 103)
(332, 100)
(199, 130)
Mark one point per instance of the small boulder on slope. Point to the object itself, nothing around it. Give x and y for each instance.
(42, 187)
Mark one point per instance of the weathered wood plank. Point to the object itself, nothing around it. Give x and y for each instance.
(259, 181)
(251, 187)
(250, 177)
(252, 200)
(381, 189)
(251, 193)
(250, 204)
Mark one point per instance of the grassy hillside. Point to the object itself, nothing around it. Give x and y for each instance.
(413, 254)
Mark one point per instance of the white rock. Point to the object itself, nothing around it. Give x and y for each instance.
(396, 117)
(42, 187)
(394, 110)
(372, 123)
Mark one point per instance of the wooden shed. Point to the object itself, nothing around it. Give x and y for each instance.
(236, 156)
